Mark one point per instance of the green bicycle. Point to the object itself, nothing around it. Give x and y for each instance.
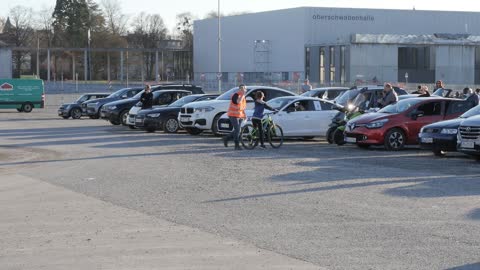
(250, 136)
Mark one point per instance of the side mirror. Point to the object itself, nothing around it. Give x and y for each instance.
(249, 99)
(417, 114)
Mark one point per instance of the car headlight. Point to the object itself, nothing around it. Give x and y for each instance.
(204, 109)
(153, 115)
(377, 124)
(451, 131)
(350, 107)
(113, 107)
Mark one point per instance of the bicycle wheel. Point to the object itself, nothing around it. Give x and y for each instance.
(248, 136)
(275, 136)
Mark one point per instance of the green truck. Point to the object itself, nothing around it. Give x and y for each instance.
(22, 94)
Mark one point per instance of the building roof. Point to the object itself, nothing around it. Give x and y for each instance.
(434, 39)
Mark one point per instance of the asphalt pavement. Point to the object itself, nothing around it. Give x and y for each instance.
(307, 204)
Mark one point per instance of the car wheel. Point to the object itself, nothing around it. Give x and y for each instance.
(329, 135)
(123, 117)
(395, 139)
(338, 137)
(308, 137)
(170, 125)
(215, 124)
(193, 131)
(27, 107)
(131, 127)
(76, 113)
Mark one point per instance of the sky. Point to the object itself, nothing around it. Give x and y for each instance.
(200, 8)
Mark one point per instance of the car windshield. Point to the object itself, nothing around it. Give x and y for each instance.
(400, 106)
(227, 95)
(117, 93)
(82, 99)
(472, 112)
(440, 92)
(280, 102)
(346, 96)
(183, 101)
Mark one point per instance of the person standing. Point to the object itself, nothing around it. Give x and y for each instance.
(389, 96)
(306, 86)
(260, 106)
(236, 114)
(147, 98)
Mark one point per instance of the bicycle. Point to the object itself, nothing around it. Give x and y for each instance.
(273, 133)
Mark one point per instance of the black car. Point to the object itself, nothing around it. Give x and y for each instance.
(117, 112)
(469, 136)
(74, 109)
(441, 137)
(166, 117)
(92, 107)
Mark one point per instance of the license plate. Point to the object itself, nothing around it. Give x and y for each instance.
(60, 113)
(224, 125)
(467, 144)
(427, 140)
(350, 139)
(184, 119)
(139, 121)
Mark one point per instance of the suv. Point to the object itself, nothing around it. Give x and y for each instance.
(398, 124)
(74, 109)
(92, 107)
(204, 115)
(160, 98)
(469, 136)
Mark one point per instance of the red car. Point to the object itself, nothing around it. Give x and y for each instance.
(399, 124)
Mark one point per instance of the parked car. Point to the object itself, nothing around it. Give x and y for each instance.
(469, 136)
(441, 137)
(374, 91)
(160, 98)
(299, 116)
(166, 117)
(117, 112)
(398, 124)
(328, 93)
(204, 115)
(74, 109)
(92, 108)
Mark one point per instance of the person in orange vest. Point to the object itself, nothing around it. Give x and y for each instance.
(236, 114)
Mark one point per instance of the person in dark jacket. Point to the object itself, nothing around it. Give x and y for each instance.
(260, 106)
(389, 96)
(147, 98)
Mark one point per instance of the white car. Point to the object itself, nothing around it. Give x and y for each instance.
(160, 98)
(199, 116)
(299, 116)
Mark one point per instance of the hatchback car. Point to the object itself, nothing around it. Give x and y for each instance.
(441, 137)
(398, 124)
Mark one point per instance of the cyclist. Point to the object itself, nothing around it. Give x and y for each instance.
(257, 117)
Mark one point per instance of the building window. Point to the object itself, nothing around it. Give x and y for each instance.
(285, 76)
(342, 64)
(332, 63)
(407, 57)
(322, 65)
(307, 62)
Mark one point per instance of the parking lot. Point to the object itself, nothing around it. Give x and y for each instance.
(333, 207)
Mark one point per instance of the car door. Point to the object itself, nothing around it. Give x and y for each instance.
(295, 119)
(322, 116)
(430, 112)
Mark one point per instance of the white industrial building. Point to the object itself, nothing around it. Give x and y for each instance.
(341, 45)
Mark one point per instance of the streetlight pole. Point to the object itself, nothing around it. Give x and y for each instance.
(219, 75)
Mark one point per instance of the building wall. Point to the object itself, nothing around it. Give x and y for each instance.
(373, 62)
(5, 63)
(455, 64)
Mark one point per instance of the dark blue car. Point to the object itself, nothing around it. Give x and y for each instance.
(441, 137)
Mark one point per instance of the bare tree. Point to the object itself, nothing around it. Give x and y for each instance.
(44, 25)
(2, 23)
(20, 34)
(184, 28)
(116, 21)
